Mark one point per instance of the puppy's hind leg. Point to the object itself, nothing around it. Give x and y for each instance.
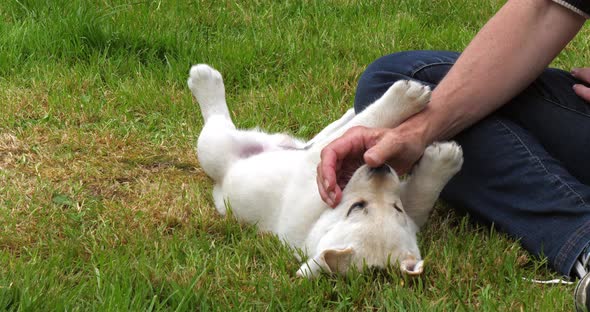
(440, 162)
(207, 87)
(220, 144)
(215, 146)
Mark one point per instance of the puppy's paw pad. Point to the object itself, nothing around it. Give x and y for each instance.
(410, 89)
(207, 87)
(204, 76)
(409, 93)
(448, 154)
(204, 72)
(418, 91)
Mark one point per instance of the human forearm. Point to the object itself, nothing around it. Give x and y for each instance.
(506, 56)
(508, 53)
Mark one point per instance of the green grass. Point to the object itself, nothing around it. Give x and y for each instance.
(103, 205)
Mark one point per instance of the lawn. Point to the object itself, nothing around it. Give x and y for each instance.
(103, 205)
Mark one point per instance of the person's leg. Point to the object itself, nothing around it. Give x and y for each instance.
(428, 67)
(558, 118)
(508, 178)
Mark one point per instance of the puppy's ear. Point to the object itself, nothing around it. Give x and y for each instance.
(329, 260)
(338, 260)
(410, 265)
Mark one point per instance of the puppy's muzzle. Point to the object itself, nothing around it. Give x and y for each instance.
(381, 170)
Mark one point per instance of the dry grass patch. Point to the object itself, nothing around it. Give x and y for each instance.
(11, 150)
(96, 176)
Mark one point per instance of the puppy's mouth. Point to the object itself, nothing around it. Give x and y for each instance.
(344, 179)
(347, 174)
(381, 170)
(347, 171)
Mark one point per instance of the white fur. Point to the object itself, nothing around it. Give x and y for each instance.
(270, 180)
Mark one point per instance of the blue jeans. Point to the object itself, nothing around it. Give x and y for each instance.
(527, 165)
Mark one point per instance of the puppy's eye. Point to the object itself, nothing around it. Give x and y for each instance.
(358, 205)
(397, 207)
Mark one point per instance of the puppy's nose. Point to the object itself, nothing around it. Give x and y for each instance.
(381, 169)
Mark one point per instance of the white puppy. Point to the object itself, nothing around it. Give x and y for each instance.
(270, 180)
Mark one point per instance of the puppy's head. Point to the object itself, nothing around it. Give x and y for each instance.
(369, 227)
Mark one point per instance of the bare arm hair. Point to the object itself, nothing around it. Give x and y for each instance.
(507, 54)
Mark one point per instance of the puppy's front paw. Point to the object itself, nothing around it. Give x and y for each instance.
(444, 157)
(411, 94)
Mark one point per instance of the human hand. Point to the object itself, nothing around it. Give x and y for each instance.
(580, 89)
(398, 147)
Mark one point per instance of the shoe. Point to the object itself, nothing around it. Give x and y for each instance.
(582, 291)
(582, 294)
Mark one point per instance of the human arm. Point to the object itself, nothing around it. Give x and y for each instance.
(508, 53)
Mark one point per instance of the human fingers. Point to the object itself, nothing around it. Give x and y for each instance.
(326, 177)
(348, 146)
(385, 151)
(324, 195)
(582, 73)
(381, 151)
(582, 91)
(398, 148)
(391, 148)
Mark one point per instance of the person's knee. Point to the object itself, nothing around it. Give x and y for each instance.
(397, 63)
(388, 69)
(406, 63)
(378, 76)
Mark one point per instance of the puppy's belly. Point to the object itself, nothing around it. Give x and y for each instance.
(255, 187)
(302, 209)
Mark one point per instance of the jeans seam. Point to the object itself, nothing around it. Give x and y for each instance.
(538, 160)
(425, 66)
(566, 249)
(565, 107)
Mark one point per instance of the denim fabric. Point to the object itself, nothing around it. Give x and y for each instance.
(527, 166)
(581, 7)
